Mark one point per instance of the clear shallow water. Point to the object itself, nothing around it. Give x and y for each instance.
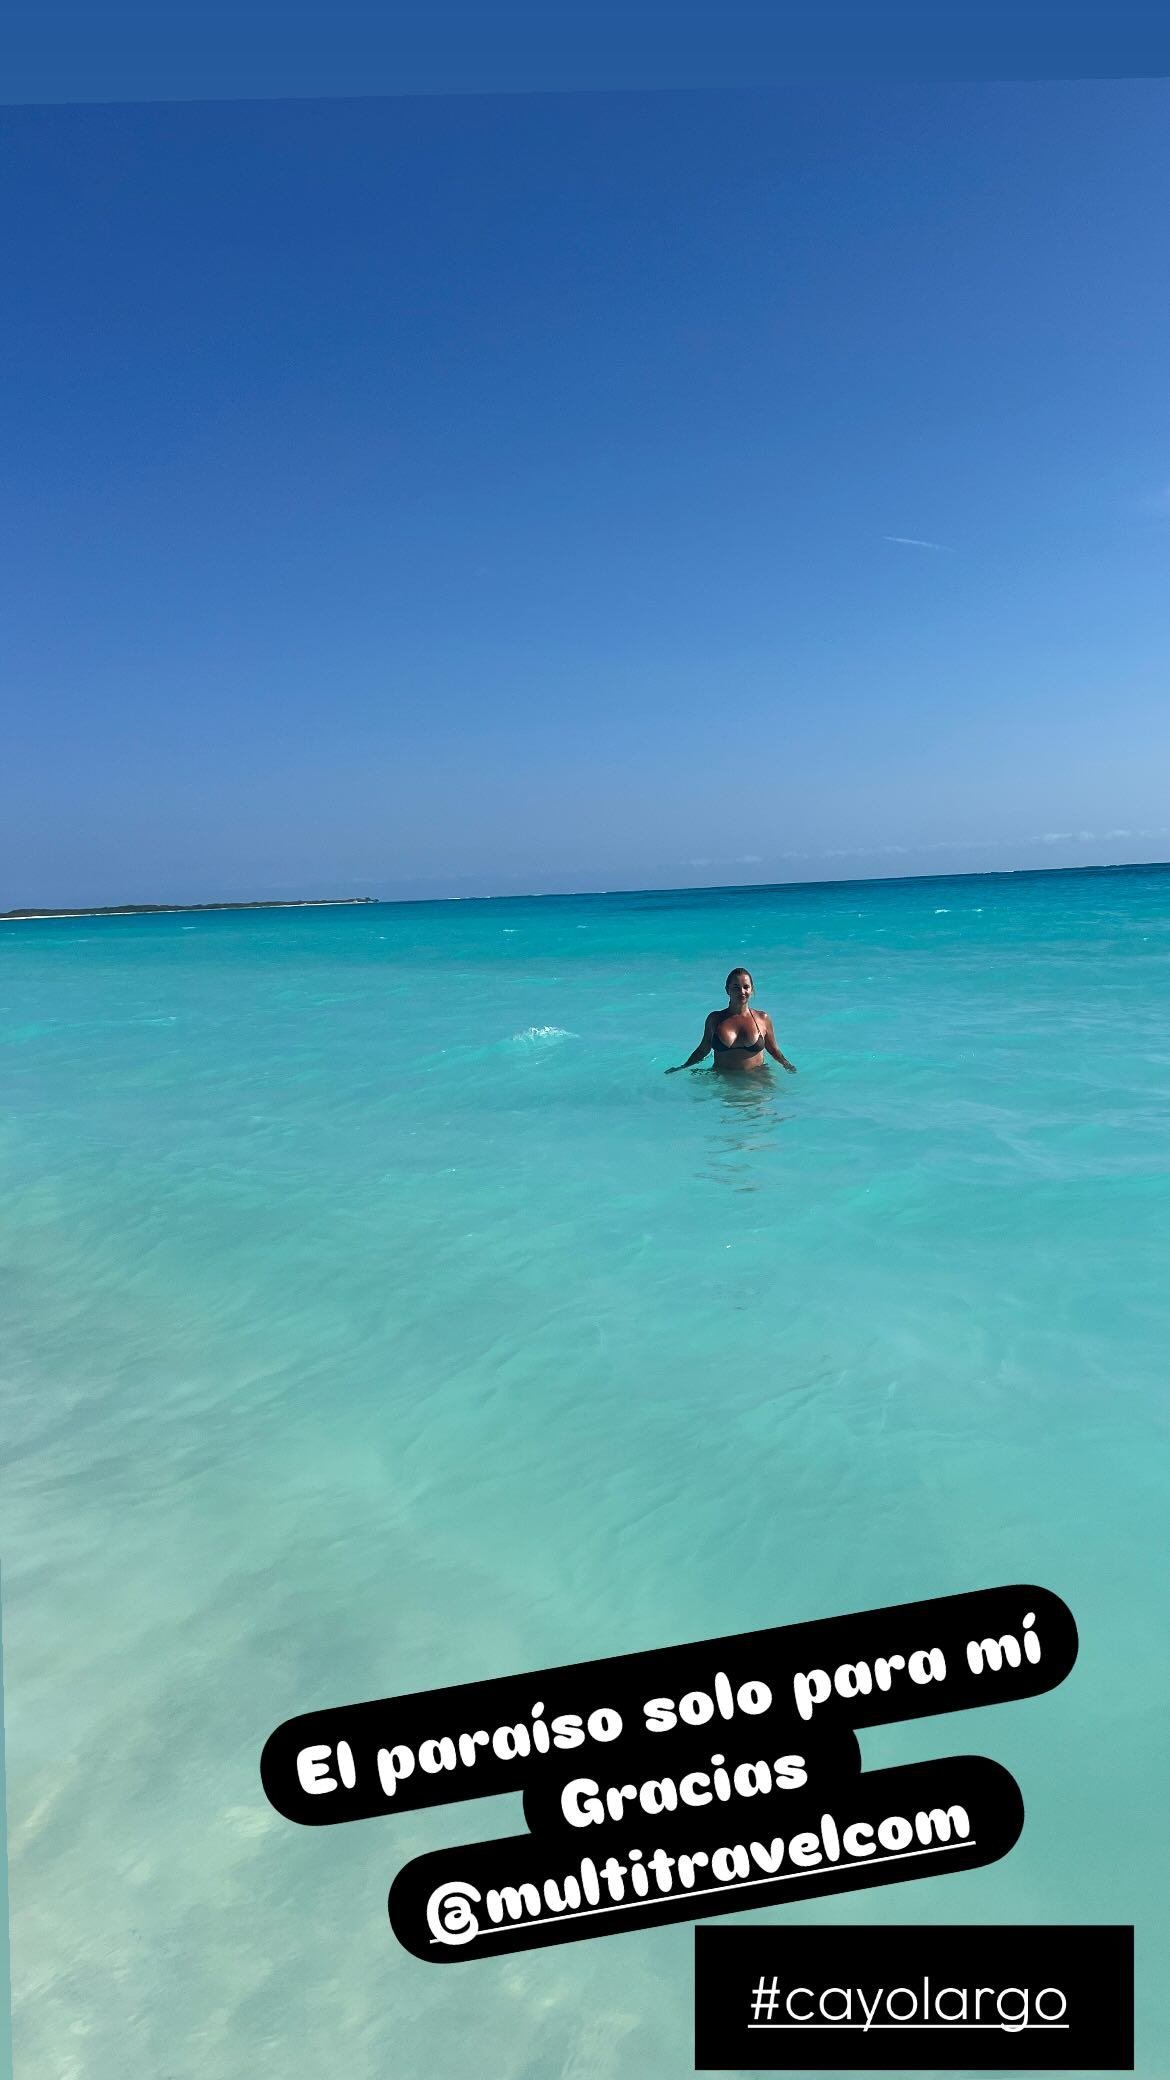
(338, 1363)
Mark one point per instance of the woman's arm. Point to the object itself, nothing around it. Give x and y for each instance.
(704, 1046)
(773, 1050)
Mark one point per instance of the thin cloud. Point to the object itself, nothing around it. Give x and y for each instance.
(959, 845)
(740, 859)
(911, 541)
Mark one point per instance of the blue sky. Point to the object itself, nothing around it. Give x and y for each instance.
(478, 495)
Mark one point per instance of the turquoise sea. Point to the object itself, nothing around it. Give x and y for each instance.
(377, 1315)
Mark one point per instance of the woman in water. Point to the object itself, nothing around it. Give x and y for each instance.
(739, 1036)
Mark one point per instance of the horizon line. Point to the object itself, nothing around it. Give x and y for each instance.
(31, 914)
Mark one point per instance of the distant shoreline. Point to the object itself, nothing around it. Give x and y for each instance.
(579, 895)
(181, 909)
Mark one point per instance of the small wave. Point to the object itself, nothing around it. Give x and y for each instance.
(533, 1033)
(942, 913)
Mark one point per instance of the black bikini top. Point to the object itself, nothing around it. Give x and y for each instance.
(755, 1046)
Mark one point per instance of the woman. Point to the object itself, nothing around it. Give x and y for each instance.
(739, 1036)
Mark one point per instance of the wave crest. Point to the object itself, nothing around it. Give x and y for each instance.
(534, 1033)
